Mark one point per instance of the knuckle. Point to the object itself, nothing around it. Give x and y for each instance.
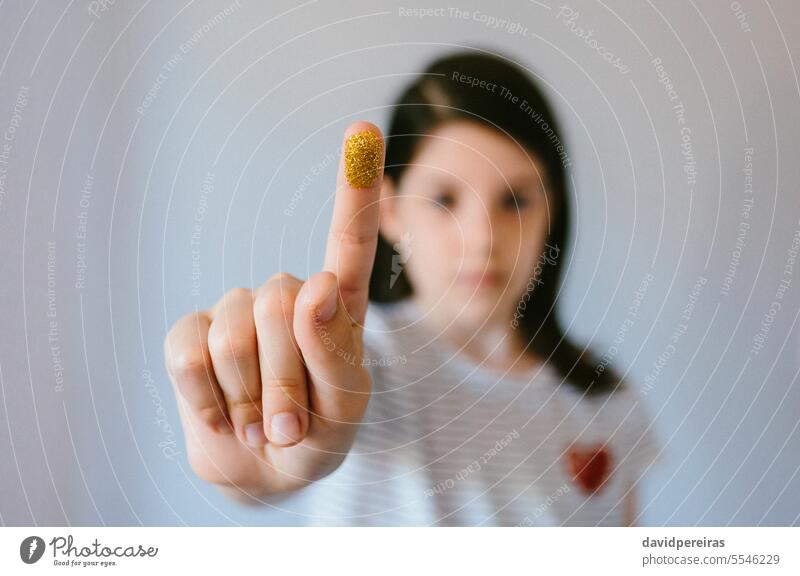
(247, 404)
(188, 325)
(187, 363)
(225, 345)
(184, 346)
(245, 410)
(209, 415)
(283, 386)
(283, 278)
(276, 300)
(233, 299)
(236, 295)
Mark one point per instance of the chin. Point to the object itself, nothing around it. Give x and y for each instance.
(476, 308)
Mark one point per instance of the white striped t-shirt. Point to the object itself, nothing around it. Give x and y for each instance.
(445, 441)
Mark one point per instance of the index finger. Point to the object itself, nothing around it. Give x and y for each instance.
(353, 234)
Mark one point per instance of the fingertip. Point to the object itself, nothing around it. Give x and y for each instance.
(363, 156)
(254, 434)
(361, 126)
(287, 428)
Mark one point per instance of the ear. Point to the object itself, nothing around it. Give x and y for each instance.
(389, 225)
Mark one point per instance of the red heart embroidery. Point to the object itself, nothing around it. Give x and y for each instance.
(589, 466)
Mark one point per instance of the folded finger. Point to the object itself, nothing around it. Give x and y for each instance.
(283, 375)
(234, 353)
(191, 372)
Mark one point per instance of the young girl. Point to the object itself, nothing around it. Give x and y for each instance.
(422, 378)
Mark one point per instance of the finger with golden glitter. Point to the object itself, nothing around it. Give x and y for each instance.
(363, 158)
(353, 232)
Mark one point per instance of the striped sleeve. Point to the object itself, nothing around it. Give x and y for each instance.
(645, 446)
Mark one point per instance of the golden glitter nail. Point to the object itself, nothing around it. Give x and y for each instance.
(363, 156)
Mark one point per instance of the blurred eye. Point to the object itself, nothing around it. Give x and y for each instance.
(515, 201)
(445, 200)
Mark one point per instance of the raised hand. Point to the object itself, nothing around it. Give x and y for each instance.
(270, 383)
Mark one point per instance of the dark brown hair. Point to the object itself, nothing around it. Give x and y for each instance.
(450, 89)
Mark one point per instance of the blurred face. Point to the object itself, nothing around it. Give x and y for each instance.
(469, 218)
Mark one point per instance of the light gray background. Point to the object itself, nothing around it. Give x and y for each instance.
(260, 100)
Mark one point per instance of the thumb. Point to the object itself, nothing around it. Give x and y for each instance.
(330, 341)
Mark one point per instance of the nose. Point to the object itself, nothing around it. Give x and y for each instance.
(479, 228)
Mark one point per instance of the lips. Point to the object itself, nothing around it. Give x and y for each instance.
(480, 278)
